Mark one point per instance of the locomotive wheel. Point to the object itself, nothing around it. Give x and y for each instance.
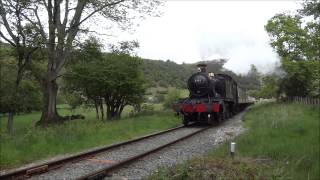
(223, 116)
(226, 114)
(219, 117)
(230, 114)
(210, 120)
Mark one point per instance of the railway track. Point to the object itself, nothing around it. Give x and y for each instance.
(98, 163)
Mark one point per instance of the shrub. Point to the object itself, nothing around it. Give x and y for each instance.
(173, 96)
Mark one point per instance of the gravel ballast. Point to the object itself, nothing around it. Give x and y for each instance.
(197, 145)
(106, 159)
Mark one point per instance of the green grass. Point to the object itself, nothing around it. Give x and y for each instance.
(282, 142)
(28, 143)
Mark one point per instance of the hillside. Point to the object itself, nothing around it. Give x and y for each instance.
(168, 73)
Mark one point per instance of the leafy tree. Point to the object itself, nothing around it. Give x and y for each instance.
(298, 44)
(63, 21)
(117, 78)
(287, 36)
(253, 77)
(125, 47)
(125, 85)
(24, 98)
(311, 8)
(24, 39)
(78, 81)
(302, 78)
(269, 87)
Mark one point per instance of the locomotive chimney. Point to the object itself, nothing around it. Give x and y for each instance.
(202, 67)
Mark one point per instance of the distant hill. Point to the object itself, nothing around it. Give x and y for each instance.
(168, 73)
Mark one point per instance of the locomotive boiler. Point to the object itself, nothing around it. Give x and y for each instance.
(212, 97)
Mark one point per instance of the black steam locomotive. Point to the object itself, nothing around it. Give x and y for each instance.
(212, 98)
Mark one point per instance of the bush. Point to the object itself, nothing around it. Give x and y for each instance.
(159, 98)
(162, 91)
(173, 96)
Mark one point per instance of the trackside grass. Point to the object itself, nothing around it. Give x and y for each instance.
(28, 143)
(282, 142)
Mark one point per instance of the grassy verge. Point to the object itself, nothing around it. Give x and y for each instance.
(282, 142)
(28, 143)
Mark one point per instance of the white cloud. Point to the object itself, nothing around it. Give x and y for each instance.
(190, 31)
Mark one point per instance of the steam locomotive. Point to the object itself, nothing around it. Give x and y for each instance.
(213, 98)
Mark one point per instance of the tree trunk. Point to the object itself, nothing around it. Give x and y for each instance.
(120, 110)
(114, 112)
(10, 123)
(96, 107)
(101, 109)
(49, 111)
(109, 113)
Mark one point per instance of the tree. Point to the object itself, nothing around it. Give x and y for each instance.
(78, 81)
(117, 78)
(15, 100)
(253, 77)
(62, 23)
(125, 85)
(287, 36)
(23, 40)
(269, 87)
(297, 42)
(302, 78)
(311, 8)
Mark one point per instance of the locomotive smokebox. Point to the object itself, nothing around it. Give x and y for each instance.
(202, 67)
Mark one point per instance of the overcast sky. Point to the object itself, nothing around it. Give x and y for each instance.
(190, 31)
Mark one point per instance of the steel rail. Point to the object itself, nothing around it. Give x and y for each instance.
(54, 164)
(100, 174)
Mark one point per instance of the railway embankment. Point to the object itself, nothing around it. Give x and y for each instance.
(281, 142)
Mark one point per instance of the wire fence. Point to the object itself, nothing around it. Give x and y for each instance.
(304, 100)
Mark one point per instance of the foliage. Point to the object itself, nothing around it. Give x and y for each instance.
(311, 8)
(269, 88)
(115, 78)
(253, 76)
(24, 98)
(125, 47)
(288, 37)
(124, 82)
(159, 97)
(297, 41)
(302, 78)
(165, 73)
(172, 96)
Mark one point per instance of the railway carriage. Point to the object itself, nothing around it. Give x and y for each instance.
(212, 98)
